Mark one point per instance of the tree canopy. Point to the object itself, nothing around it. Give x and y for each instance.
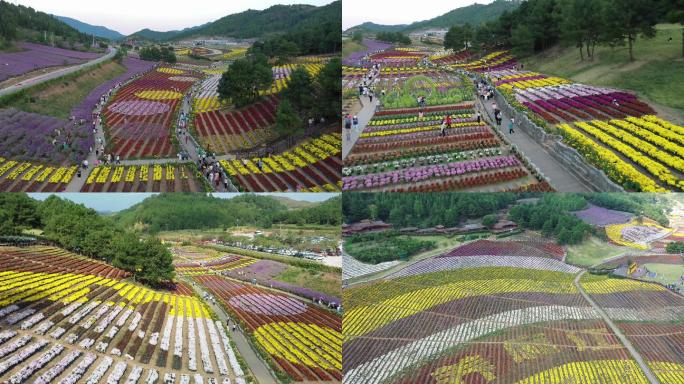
(244, 79)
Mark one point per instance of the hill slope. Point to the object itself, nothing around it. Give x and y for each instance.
(474, 14)
(174, 211)
(97, 30)
(657, 74)
(275, 19)
(18, 22)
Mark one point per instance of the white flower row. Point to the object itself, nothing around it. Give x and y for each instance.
(204, 348)
(352, 268)
(134, 376)
(99, 313)
(185, 379)
(178, 345)
(226, 381)
(104, 323)
(57, 333)
(71, 338)
(192, 363)
(6, 335)
(76, 374)
(240, 380)
(384, 367)
(232, 359)
(35, 365)
(44, 327)
(7, 310)
(166, 335)
(135, 321)
(199, 379)
(154, 337)
(100, 370)
(83, 312)
(86, 343)
(669, 314)
(57, 369)
(101, 346)
(20, 356)
(112, 332)
(141, 334)
(13, 346)
(21, 315)
(122, 320)
(170, 377)
(152, 376)
(464, 262)
(31, 321)
(71, 308)
(117, 373)
(115, 352)
(216, 345)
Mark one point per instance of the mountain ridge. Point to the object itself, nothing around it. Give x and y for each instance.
(474, 14)
(97, 30)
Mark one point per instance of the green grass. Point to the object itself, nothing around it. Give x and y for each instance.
(667, 273)
(60, 97)
(349, 47)
(657, 74)
(325, 282)
(591, 252)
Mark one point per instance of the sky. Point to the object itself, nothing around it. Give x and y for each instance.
(129, 16)
(114, 202)
(355, 12)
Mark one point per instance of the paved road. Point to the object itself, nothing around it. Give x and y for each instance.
(258, 367)
(365, 115)
(53, 75)
(559, 177)
(623, 339)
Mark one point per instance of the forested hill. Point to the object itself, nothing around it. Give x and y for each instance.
(273, 20)
(89, 29)
(18, 22)
(175, 211)
(474, 14)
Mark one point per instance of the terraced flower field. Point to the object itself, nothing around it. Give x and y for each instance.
(171, 177)
(636, 234)
(314, 166)
(222, 129)
(27, 176)
(401, 152)
(88, 324)
(139, 117)
(303, 340)
(481, 318)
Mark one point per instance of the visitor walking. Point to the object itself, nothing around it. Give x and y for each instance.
(355, 123)
(442, 129)
(479, 117)
(348, 126)
(510, 126)
(448, 121)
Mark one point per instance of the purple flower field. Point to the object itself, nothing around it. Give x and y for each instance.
(85, 109)
(38, 56)
(28, 137)
(265, 270)
(600, 216)
(372, 45)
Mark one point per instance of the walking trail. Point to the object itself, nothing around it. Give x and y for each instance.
(623, 339)
(559, 177)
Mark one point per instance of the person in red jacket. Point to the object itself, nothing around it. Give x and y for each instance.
(448, 121)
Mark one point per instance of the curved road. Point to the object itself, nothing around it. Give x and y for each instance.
(28, 83)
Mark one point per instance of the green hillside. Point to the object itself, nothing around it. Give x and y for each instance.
(275, 19)
(657, 74)
(474, 14)
(18, 22)
(176, 211)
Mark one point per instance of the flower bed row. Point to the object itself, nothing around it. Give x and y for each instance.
(169, 177)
